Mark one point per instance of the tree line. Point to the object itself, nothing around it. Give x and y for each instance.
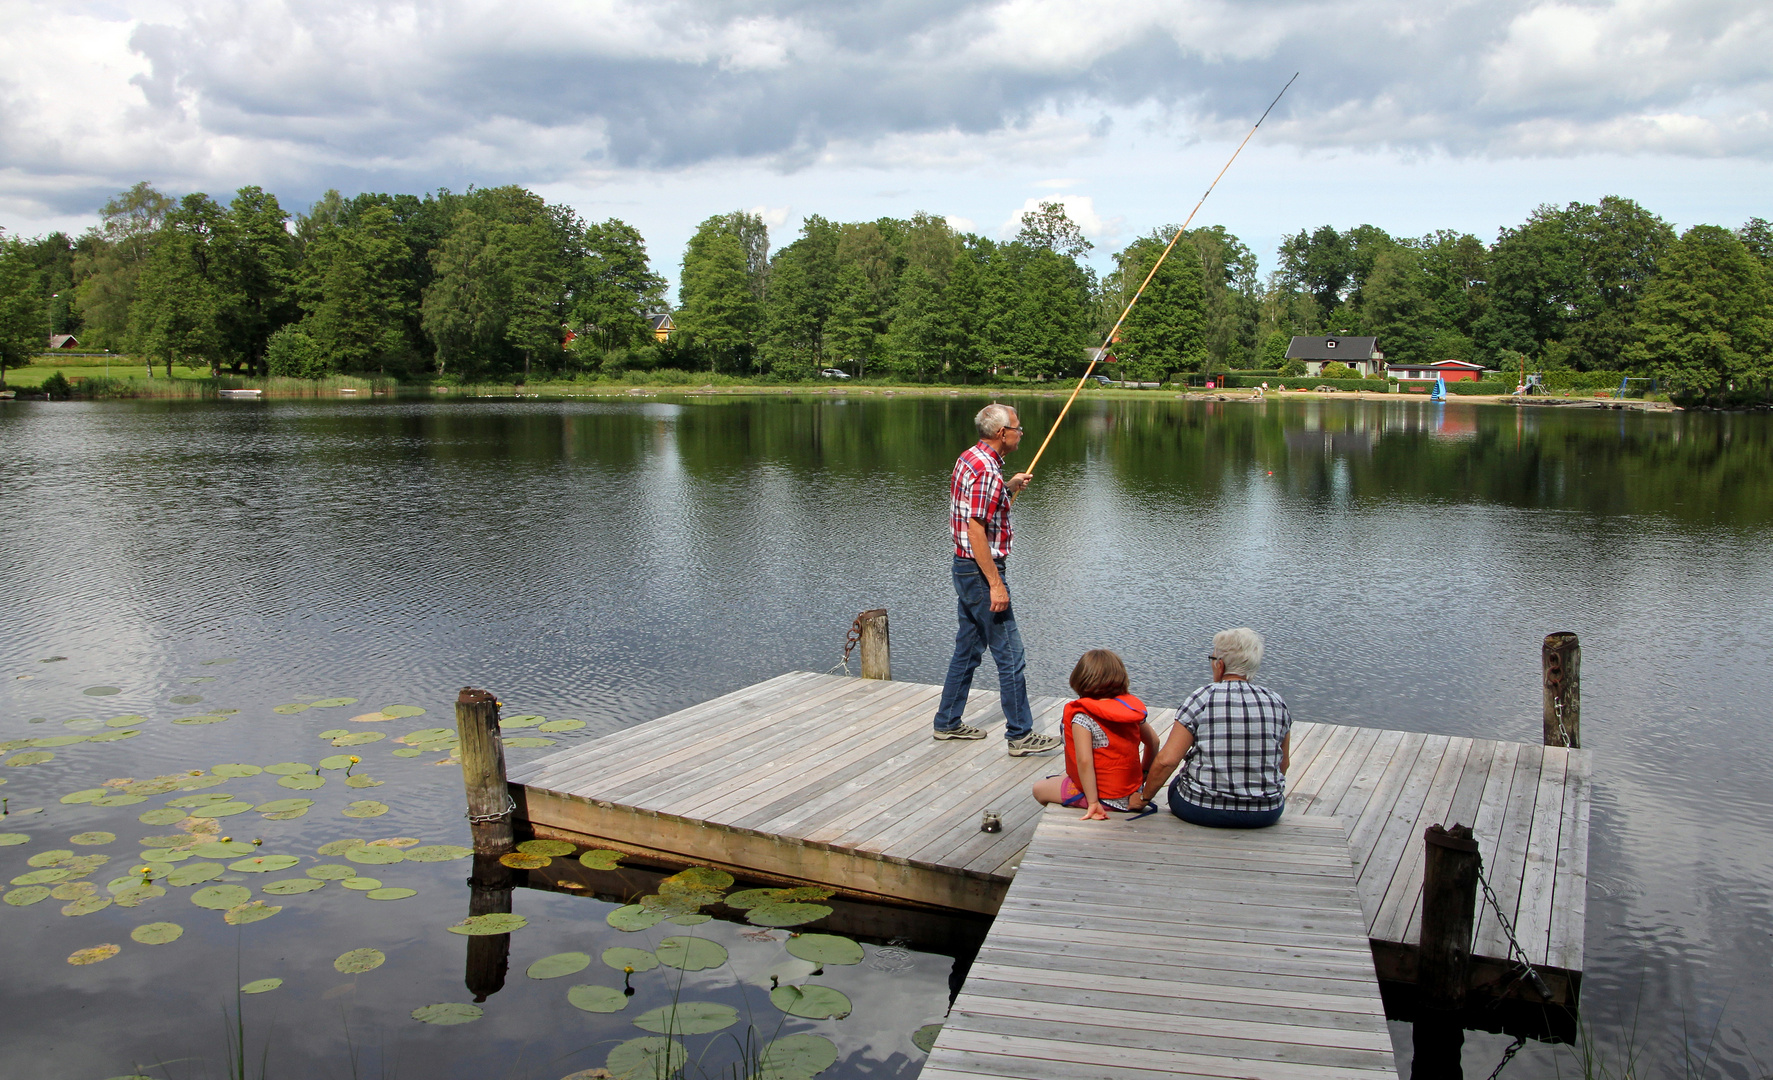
(495, 283)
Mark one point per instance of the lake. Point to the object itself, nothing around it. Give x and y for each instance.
(610, 561)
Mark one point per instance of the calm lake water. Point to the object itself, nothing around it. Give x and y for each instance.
(614, 561)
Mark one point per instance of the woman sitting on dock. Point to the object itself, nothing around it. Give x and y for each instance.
(1108, 744)
(1232, 739)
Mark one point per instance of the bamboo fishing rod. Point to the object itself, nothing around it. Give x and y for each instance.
(1115, 330)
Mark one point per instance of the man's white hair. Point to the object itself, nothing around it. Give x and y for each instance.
(1239, 650)
(992, 419)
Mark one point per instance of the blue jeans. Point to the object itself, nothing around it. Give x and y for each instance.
(980, 627)
(1221, 819)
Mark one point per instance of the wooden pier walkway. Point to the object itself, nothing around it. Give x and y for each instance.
(1144, 948)
(836, 781)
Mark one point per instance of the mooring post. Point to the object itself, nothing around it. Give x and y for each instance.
(490, 808)
(1561, 659)
(877, 652)
(489, 955)
(1449, 911)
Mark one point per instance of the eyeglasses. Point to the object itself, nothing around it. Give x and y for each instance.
(1012, 429)
(1211, 657)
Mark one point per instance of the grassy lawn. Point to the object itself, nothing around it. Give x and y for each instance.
(83, 367)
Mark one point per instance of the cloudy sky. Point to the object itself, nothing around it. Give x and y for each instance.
(1409, 114)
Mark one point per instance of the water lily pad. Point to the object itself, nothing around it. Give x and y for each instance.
(529, 743)
(622, 958)
(365, 808)
(102, 691)
(778, 914)
(646, 1058)
(294, 886)
(86, 905)
(391, 894)
(825, 949)
(30, 757)
(263, 864)
(73, 890)
(163, 816)
(561, 725)
(547, 847)
(260, 986)
(332, 702)
(362, 884)
(93, 839)
(199, 781)
(496, 923)
(370, 718)
(114, 736)
(52, 857)
(13, 839)
(292, 708)
(408, 752)
(256, 911)
(76, 798)
(283, 806)
(195, 874)
(44, 877)
(157, 933)
(333, 733)
(193, 802)
(94, 954)
(26, 896)
(304, 782)
(136, 895)
(221, 897)
(236, 769)
(553, 967)
(398, 712)
(521, 720)
(185, 699)
(634, 917)
(450, 1012)
(598, 999)
(201, 719)
(428, 735)
(796, 1057)
(359, 738)
(688, 1018)
(438, 853)
(226, 809)
(690, 953)
(167, 855)
(336, 761)
(357, 961)
(369, 855)
(362, 780)
(811, 1001)
(692, 919)
(523, 860)
(339, 847)
(222, 849)
(401, 842)
(126, 720)
(697, 879)
(600, 859)
(289, 768)
(330, 872)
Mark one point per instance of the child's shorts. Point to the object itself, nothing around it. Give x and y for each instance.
(1072, 795)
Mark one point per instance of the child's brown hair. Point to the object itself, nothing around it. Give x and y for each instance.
(1099, 674)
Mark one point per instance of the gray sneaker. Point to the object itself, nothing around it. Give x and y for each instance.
(961, 731)
(1034, 743)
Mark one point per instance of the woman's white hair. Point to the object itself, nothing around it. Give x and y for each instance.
(1239, 650)
(992, 419)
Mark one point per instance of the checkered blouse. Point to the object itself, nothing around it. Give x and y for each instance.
(1234, 763)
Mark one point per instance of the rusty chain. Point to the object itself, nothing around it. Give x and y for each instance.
(1528, 971)
(850, 641)
(1555, 683)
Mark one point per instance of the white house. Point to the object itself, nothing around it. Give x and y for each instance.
(1360, 353)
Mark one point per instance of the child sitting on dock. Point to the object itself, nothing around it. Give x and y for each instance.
(1108, 744)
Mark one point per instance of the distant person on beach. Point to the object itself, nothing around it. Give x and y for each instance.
(1108, 744)
(979, 519)
(1233, 740)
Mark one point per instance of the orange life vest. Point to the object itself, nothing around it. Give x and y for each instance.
(1119, 772)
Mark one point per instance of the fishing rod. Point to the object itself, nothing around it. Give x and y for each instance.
(1115, 330)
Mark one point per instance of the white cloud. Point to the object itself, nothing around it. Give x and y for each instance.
(1081, 209)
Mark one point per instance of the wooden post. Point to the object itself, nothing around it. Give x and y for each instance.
(490, 808)
(1561, 659)
(877, 653)
(489, 955)
(1449, 911)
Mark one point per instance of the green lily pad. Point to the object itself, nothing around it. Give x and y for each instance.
(283, 806)
(222, 849)
(292, 708)
(192, 802)
(391, 894)
(256, 911)
(622, 958)
(692, 919)
(697, 879)
(688, 1018)
(561, 725)
(362, 884)
(136, 895)
(336, 761)
(44, 877)
(333, 733)
(30, 757)
(358, 961)
(496, 923)
(76, 798)
(163, 816)
(25, 896)
(553, 967)
(304, 782)
(339, 847)
(778, 914)
(294, 886)
(93, 839)
(529, 743)
(450, 1012)
(185, 699)
(95, 954)
(114, 736)
(101, 691)
(126, 720)
(368, 855)
(825, 949)
(157, 933)
(811, 1001)
(195, 874)
(547, 847)
(437, 853)
(690, 953)
(427, 735)
(598, 999)
(362, 781)
(523, 860)
(332, 702)
(52, 857)
(796, 1057)
(600, 859)
(200, 719)
(634, 917)
(521, 720)
(359, 738)
(221, 897)
(260, 986)
(365, 808)
(289, 768)
(199, 782)
(408, 752)
(226, 809)
(167, 855)
(236, 769)
(286, 815)
(400, 712)
(13, 839)
(57, 740)
(646, 1058)
(263, 864)
(86, 905)
(330, 872)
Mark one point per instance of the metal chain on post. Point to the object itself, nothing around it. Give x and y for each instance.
(850, 641)
(1557, 704)
(1528, 971)
(1508, 1055)
(481, 819)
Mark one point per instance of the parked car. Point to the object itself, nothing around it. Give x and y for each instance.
(1103, 380)
(834, 373)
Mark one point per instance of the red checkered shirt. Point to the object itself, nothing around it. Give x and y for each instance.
(977, 491)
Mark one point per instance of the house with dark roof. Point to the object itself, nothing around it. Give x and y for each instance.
(1360, 353)
(63, 341)
(660, 324)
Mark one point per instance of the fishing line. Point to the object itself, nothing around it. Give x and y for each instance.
(1115, 330)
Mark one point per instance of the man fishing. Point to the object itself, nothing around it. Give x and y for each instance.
(979, 516)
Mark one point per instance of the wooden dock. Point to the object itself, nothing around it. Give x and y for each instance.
(1149, 948)
(835, 781)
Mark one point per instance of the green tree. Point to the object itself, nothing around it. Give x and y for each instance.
(1456, 268)
(1167, 329)
(293, 354)
(1048, 228)
(613, 286)
(184, 293)
(353, 289)
(852, 332)
(720, 315)
(1038, 311)
(1757, 235)
(258, 262)
(24, 319)
(497, 297)
(918, 339)
(1707, 319)
(109, 262)
(964, 303)
(867, 246)
(1274, 349)
(1396, 307)
(797, 302)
